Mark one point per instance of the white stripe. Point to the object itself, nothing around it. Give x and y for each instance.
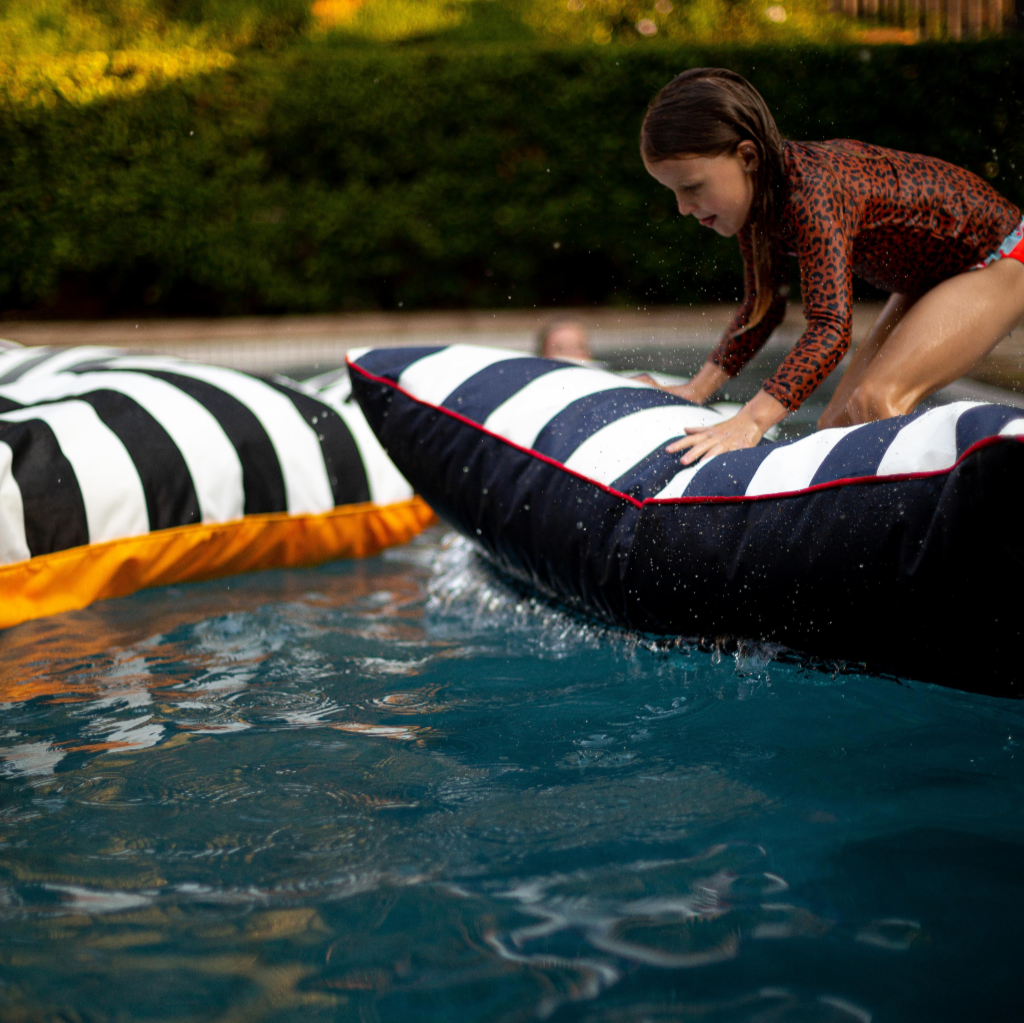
(387, 484)
(927, 444)
(521, 418)
(676, 486)
(1014, 428)
(334, 393)
(434, 377)
(792, 466)
(115, 504)
(66, 359)
(617, 447)
(13, 545)
(210, 456)
(337, 395)
(306, 484)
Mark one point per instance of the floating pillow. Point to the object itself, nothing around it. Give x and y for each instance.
(120, 471)
(897, 543)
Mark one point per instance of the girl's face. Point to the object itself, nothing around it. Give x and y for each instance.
(717, 190)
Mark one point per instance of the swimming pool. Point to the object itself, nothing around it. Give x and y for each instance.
(402, 790)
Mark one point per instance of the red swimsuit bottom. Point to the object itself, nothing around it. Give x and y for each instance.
(1012, 248)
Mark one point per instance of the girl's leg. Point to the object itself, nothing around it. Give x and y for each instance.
(836, 413)
(941, 338)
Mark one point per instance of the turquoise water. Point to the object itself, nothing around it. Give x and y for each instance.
(400, 790)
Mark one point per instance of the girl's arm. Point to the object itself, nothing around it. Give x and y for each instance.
(739, 345)
(824, 245)
(826, 279)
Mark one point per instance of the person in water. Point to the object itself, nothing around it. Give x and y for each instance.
(946, 245)
(564, 339)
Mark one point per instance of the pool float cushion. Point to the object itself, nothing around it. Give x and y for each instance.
(120, 471)
(896, 543)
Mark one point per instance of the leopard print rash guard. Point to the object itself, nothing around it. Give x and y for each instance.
(899, 221)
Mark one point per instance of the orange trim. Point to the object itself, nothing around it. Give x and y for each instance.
(74, 578)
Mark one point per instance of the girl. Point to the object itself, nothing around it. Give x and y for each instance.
(947, 246)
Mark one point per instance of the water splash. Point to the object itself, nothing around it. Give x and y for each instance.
(469, 597)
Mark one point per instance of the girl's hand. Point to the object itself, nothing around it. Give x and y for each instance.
(743, 430)
(699, 389)
(686, 390)
(739, 432)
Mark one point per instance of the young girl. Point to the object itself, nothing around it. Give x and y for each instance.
(948, 247)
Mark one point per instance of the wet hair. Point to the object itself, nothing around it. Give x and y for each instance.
(707, 111)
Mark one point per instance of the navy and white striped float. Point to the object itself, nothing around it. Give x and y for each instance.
(97, 445)
(897, 543)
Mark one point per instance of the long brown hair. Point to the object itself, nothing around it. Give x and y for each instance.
(707, 111)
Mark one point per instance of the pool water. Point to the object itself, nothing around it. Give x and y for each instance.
(404, 790)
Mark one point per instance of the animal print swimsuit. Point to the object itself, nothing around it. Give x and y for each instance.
(900, 221)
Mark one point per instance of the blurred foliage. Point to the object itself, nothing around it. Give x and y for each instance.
(389, 20)
(82, 50)
(78, 51)
(591, 21)
(61, 27)
(328, 176)
(694, 21)
(79, 26)
(94, 74)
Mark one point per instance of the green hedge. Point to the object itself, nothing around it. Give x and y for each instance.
(330, 178)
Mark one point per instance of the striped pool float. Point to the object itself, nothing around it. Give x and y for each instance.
(896, 543)
(119, 471)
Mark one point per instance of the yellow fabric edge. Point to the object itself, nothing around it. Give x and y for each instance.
(74, 578)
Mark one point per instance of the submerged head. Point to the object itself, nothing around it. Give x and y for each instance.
(564, 339)
(709, 137)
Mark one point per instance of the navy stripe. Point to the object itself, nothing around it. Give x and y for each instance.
(52, 501)
(984, 421)
(730, 474)
(262, 479)
(92, 365)
(171, 498)
(391, 363)
(477, 397)
(860, 451)
(651, 474)
(585, 416)
(23, 367)
(345, 470)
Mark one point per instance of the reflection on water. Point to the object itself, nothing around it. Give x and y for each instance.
(405, 789)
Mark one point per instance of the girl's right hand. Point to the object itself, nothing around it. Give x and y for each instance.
(699, 389)
(680, 390)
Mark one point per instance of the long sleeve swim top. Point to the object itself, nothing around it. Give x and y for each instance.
(900, 221)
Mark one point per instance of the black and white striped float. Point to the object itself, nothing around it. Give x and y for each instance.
(897, 543)
(209, 469)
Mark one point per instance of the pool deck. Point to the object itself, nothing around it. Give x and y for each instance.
(671, 338)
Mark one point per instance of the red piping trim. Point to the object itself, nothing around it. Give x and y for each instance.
(711, 499)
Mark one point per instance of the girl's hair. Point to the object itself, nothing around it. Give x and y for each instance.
(707, 111)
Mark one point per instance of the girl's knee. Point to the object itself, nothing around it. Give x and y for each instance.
(872, 400)
(833, 417)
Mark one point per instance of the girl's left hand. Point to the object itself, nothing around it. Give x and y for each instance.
(739, 432)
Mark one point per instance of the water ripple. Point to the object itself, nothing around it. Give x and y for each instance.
(408, 789)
